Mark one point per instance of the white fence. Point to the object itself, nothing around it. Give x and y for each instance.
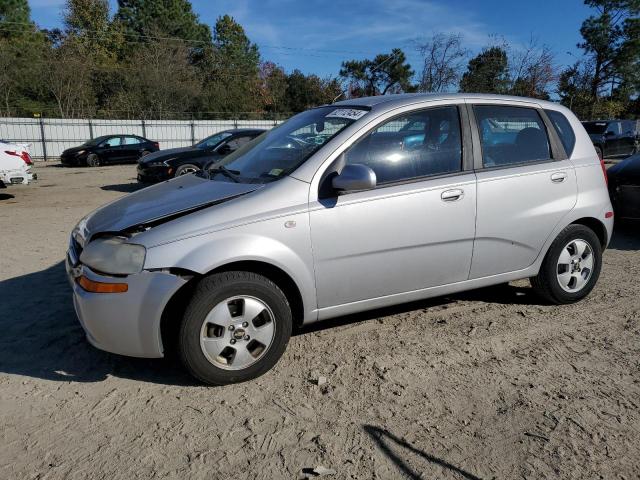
(48, 137)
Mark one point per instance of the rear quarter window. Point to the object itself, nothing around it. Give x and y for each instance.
(563, 129)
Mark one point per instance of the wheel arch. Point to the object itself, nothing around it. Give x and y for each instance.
(597, 226)
(174, 309)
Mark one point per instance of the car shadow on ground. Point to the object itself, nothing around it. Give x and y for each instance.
(399, 451)
(41, 337)
(626, 236)
(124, 187)
(6, 196)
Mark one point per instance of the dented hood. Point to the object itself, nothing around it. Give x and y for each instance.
(168, 199)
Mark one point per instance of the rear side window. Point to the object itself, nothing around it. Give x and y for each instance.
(131, 141)
(511, 135)
(564, 130)
(415, 145)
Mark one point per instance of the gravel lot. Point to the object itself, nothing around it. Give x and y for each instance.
(489, 384)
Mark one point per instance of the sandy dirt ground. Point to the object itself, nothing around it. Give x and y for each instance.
(488, 384)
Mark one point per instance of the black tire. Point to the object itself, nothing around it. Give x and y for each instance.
(599, 152)
(93, 160)
(186, 169)
(214, 290)
(546, 283)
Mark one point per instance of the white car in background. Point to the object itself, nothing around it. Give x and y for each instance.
(15, 164)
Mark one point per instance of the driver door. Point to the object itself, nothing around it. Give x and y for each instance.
(415, 230)
(111, 150)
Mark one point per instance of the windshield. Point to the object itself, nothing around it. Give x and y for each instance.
(595, 127)
(281, 150)
(212, 141)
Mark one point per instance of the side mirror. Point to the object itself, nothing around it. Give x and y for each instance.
(354, 177)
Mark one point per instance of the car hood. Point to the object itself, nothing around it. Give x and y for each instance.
(154, 204)
(72, 150)
(171, 153)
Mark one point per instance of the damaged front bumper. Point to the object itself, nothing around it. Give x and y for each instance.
(125, 323)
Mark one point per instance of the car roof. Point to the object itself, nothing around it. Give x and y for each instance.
(400, 100)
(243, 130)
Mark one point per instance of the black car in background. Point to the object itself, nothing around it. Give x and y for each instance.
(613, 138)
(180, 161)
(624, 188)
(109, 149)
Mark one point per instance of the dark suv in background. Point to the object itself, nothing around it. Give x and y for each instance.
(109, 149)
(613, 138)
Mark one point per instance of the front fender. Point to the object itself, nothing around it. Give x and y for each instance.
(269, 241)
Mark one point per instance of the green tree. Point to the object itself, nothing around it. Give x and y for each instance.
(164, 18)
(273, 88)
(231, 69)
(306, 91)
(611, 41)
(386, 73)
(22, 48)
(488, 72)
(166, 87)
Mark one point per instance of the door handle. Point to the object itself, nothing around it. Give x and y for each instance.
(452, 195)
(558, 177)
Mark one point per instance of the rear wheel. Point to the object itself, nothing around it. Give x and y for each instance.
(93, 160)
(571, 267)
(186, 169)
(235, 328)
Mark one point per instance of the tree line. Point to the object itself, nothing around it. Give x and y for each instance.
(156, 59)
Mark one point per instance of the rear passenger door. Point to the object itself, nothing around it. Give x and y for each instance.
(526, 185)
(131, 148)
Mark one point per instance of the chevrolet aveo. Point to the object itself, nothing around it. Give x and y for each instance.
(343, 208)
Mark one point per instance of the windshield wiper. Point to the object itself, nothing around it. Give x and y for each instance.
(232, 174)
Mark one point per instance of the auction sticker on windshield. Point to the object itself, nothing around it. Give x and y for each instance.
(351, 113)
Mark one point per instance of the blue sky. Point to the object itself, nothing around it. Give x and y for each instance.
(317, 35)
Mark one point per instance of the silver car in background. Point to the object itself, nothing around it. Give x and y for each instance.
(343, 208)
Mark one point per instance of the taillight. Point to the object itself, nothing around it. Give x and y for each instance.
(604, 171)
(27, 158)
(157, 145)
(24, 156)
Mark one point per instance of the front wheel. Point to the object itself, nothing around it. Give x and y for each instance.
(186, 169)
(571, 267)
(93, 160)
(235, 328)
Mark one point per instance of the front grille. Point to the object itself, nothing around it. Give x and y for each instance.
(17, 180)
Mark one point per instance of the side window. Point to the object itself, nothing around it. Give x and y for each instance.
(614, 127)
(398, 150)
(113, 142)
(237, 142)
(511, 135)
(131, 141)
(564, 130)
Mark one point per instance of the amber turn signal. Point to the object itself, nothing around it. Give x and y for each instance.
(101, 287)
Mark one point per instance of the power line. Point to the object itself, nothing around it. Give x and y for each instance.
(99, 33)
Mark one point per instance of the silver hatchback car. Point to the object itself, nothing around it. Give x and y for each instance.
(343, 208)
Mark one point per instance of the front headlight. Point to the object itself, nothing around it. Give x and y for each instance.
(81, 152)
(158, 163)
(113, 255)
